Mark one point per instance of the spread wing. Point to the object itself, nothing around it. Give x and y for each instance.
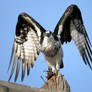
(26, 42)
(71, 27)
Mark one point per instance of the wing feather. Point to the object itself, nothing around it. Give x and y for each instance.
(28, 69)
(26, 44)
(71, 27)
(23, 70)
(13, 67)
(11, 57)
(17, 70)
(88, 53)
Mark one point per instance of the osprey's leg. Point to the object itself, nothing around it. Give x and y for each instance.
(54, 70)
(57, 66)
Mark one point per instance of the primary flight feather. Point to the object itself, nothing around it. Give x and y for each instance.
(31, 39)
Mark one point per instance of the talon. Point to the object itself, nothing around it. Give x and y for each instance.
(49, 75)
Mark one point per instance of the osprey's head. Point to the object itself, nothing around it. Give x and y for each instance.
(46, 38)
(48, 34)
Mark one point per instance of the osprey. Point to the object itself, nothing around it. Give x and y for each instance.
(31, 39)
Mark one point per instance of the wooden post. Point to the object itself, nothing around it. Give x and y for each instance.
(54, 84)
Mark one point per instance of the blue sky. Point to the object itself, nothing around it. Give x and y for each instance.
(47, 13)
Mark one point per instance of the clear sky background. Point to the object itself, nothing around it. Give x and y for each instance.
(47, 13)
